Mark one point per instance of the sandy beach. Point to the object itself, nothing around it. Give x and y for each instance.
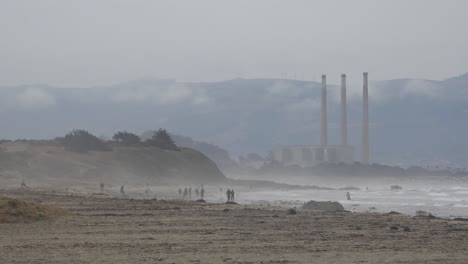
(101, 229)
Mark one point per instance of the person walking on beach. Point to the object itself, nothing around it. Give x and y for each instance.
(185, 193)
(196, 192)
(122, 190)
(232, 195)
(202, 193)
(180, 192)
(348, 195)
(228, 194)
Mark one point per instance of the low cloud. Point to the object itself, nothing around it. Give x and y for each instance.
(307, 105)
(421, 88)
(282, 88)
(385, 91)
(163, 95)
(34, 98)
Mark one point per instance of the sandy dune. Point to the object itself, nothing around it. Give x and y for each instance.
(113, 230)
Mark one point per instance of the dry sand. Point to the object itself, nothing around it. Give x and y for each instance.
(101, 229)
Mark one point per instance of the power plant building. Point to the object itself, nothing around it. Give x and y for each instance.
(311, 155)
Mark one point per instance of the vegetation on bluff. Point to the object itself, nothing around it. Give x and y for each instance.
(82, 141)
(79, 140)
(162, 139)
(126, 138)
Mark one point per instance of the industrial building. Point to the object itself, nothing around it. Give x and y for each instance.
(311, 155)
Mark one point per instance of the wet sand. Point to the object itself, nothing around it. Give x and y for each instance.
(102, 229)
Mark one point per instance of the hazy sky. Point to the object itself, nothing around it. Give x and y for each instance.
(94, 42)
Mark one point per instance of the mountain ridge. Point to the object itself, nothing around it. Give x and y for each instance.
(252, 115)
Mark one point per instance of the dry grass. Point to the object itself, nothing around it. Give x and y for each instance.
(18, 211)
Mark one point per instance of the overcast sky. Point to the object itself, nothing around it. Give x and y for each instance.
(98, 42)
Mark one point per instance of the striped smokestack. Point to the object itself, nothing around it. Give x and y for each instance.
(344, 118)
(365, 120)
(323, 113)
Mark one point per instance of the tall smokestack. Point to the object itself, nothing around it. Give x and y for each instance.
(365, 120)
(323, 113)
(344, 118)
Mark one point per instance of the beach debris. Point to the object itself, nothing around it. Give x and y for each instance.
(407, 229)
(18, 211)
(200, 201)
(393, 213)
(394, 228)
(396, 187)
(292, 211)
(323, 206)
(421, 213)
(226, 210)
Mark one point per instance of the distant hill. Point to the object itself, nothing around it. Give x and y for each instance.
(412, 121)
(45, 162)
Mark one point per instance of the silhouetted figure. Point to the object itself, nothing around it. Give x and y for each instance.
(228, 194)
(101, 186)
(232, 195)
(348, 195)
(196, 192)
(185, 192)
(202, 193)
(180, 192)
(190, 192)
(122, 190)
(23, 184)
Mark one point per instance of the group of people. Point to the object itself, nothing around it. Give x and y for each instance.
(187, 192)
(230, 195)
(148, 192)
